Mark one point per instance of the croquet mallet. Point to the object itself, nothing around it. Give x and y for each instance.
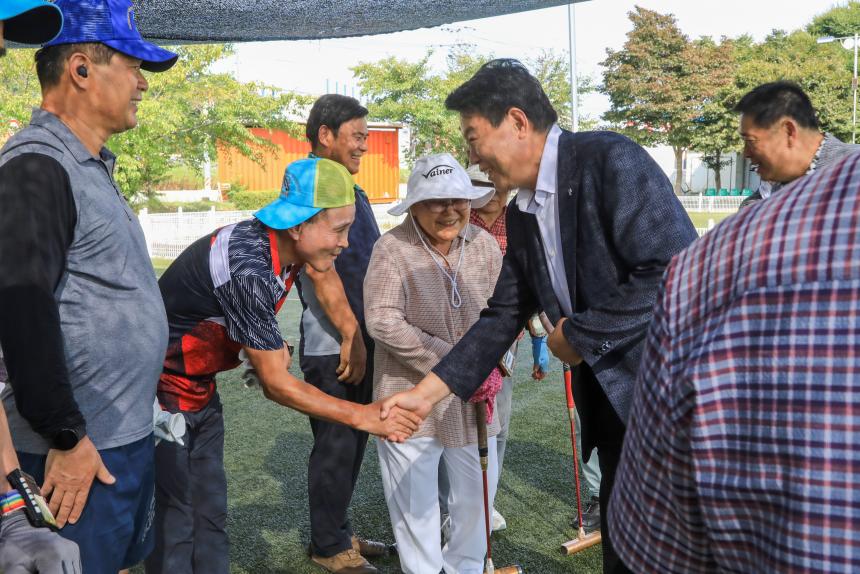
(582, 540)
(483, 452)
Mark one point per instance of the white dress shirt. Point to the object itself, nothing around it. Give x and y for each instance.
(543, 203)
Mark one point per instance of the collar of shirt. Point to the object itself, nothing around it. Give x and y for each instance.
(529, 200)
(55, 125)
(475, 218)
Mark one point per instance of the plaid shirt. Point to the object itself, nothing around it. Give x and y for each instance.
(499, 229)
(741, 453)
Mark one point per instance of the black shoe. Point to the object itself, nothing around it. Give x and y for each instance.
(591, 515)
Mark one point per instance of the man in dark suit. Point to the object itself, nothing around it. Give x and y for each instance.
(592, 228)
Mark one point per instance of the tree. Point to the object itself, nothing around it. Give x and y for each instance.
(410, 93)
(822, 70)
(413, 94)
(837, 22)
(715, 131)
(659, 82)
(184, 113)
(553, 72)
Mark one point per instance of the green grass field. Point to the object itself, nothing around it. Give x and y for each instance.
(266, 451)
(700, 219)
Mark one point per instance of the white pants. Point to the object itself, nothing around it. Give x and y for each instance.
(410, 479)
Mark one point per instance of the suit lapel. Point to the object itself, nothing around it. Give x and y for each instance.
(566, 195)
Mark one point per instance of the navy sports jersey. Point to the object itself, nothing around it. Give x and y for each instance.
(221, 294)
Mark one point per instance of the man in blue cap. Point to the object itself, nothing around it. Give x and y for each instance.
(25, 544)
(222, 296)
(82, 323)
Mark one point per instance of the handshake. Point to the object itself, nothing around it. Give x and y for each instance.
(397, 417)
(394, 418)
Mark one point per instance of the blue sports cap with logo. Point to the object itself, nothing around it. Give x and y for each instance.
(30, 21)
(110, 22)
(310, 185)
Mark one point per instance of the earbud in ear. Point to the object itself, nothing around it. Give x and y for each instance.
(82, 71)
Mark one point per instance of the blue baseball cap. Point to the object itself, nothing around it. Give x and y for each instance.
(30, 21)
(310, 185)
(110, 22)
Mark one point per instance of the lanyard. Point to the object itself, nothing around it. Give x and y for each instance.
(456, 299)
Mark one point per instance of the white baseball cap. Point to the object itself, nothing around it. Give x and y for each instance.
(440, 176)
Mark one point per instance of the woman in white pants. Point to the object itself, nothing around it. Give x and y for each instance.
(426, 284)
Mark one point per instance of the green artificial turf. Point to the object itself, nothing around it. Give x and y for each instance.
(701, 219)
(266, 451)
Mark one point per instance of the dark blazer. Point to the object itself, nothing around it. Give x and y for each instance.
(620, 226)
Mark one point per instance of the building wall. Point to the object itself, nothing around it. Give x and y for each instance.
(379, 175)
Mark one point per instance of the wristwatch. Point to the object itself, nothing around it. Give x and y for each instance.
(67, 439)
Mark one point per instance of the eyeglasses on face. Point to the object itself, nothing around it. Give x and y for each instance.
(440, 205)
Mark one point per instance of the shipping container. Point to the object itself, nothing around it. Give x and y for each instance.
(380, 167)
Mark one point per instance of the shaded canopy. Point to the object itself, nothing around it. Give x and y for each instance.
(177, 21)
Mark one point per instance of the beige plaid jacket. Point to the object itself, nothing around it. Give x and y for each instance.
(407, 307)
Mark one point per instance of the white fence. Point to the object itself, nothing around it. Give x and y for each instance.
(167, 234)
(711, 203)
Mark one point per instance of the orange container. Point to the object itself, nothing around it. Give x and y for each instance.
(380, 166)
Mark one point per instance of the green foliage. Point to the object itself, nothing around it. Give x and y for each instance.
(413, 94)
(410, 93)
(183, 114)
(553, 72)
(19, 91)
(646, 79)
(839, 21)
(715, 131)
(665, 88)
(154, 205)
(823, 70)
(249, 200)
(661, 84)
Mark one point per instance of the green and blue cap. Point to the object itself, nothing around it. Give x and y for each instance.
(30, 21)
(310, 185)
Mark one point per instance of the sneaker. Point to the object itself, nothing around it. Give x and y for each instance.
(347, 562)
(370, 548)
(446, 529)
(498, 521)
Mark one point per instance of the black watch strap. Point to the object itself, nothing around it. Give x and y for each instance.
(68, 438)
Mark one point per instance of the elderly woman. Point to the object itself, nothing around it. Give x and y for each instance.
(427, 282)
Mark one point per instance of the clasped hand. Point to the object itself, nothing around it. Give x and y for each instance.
(560, 346)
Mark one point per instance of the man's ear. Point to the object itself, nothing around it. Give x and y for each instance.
(295, 232)
(791, 130)
(78, 68)
(326, 136)
(520, 122)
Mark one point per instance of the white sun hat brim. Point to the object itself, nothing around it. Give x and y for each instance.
(440, 176)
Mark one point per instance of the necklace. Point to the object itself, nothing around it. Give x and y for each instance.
(816, 157)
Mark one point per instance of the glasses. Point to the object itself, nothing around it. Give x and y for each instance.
(440, 205)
